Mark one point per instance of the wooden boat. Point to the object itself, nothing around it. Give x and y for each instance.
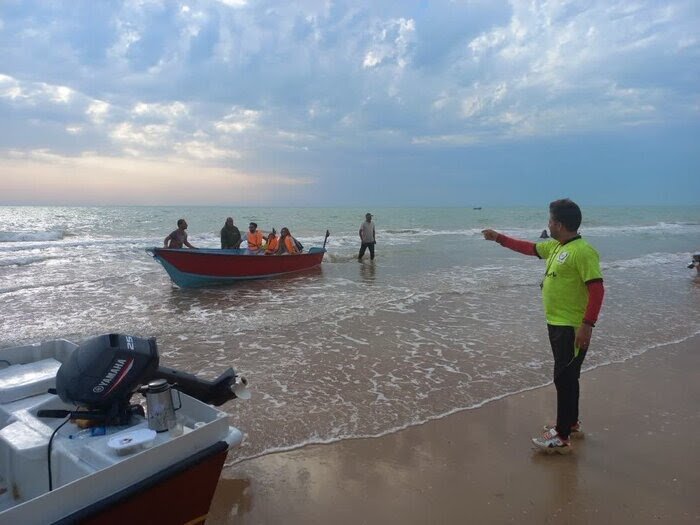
(54, 471)
(203, 267)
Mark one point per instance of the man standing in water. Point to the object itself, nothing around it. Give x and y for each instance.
(178, 238)
(367, 238)
(572, 293)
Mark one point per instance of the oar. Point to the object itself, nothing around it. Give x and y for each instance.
(324, 240)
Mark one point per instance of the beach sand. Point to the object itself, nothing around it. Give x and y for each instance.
(639, 461)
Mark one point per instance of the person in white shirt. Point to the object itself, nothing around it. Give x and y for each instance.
(367, 237)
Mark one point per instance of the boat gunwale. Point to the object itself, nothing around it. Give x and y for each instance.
(228, 253)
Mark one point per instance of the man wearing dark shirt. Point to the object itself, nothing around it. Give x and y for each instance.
(230, 236)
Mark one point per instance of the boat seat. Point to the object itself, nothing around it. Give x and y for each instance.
(23, 460)
(21, 381)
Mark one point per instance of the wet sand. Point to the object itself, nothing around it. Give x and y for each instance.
(639, 461)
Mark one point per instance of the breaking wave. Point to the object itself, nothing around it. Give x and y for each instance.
(29, 236)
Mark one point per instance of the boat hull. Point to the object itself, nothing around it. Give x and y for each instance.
(204, 267)
(180, 494)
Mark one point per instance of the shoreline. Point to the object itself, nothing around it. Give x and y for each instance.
(232, 464)
(636, 464)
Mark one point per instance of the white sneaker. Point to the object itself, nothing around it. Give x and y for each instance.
(550, 442)
(576, 430)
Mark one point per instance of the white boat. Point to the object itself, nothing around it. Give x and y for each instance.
(54, 471)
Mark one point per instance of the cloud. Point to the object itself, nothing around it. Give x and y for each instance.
(391, 41)
(451, 140)
(149, 136)
(238, 121)
(170, 111)
(34, 93)
(569, 67)
(205, 151)
(234, 3)
(97, 111)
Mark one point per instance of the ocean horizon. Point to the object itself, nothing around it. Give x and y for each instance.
(440, 322)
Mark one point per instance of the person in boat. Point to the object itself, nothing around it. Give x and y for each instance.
(696, 263)
(178, 238)
(272, 243)
(288, 245)
(254, 238)
(367, 238)
(544, 235)
(572, 294)
(230, 235)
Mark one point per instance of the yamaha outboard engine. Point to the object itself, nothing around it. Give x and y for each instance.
(106, 369)
(102, 374)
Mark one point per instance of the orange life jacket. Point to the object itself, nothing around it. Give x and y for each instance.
(272, 244)
(290, 245)
(255, 240)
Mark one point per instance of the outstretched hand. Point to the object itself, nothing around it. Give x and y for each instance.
(490, 235)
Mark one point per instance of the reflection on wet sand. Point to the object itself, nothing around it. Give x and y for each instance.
(248, 293)
(235, 499)
(368, 271)
(560, 475)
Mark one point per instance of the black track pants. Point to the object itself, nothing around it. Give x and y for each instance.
(567, 371)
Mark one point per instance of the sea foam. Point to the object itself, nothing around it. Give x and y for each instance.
(32, 236)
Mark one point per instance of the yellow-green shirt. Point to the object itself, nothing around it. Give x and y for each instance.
(569, 267)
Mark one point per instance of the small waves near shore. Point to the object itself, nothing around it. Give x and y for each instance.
(29, 236)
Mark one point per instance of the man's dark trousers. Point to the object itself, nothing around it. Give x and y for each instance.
(567, 371)
(364, 246)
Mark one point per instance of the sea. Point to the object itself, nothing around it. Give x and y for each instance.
(441, 321)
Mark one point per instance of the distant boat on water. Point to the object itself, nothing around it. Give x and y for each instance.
(477, 208)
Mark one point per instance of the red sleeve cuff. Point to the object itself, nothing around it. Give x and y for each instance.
(596, 291)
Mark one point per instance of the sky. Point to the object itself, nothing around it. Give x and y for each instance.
(312, 103)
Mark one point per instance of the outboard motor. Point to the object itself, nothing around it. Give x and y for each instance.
(106, 369)
(102, 374)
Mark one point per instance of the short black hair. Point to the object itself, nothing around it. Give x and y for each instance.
(566, 212)
(253, 224)
(180, 222)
